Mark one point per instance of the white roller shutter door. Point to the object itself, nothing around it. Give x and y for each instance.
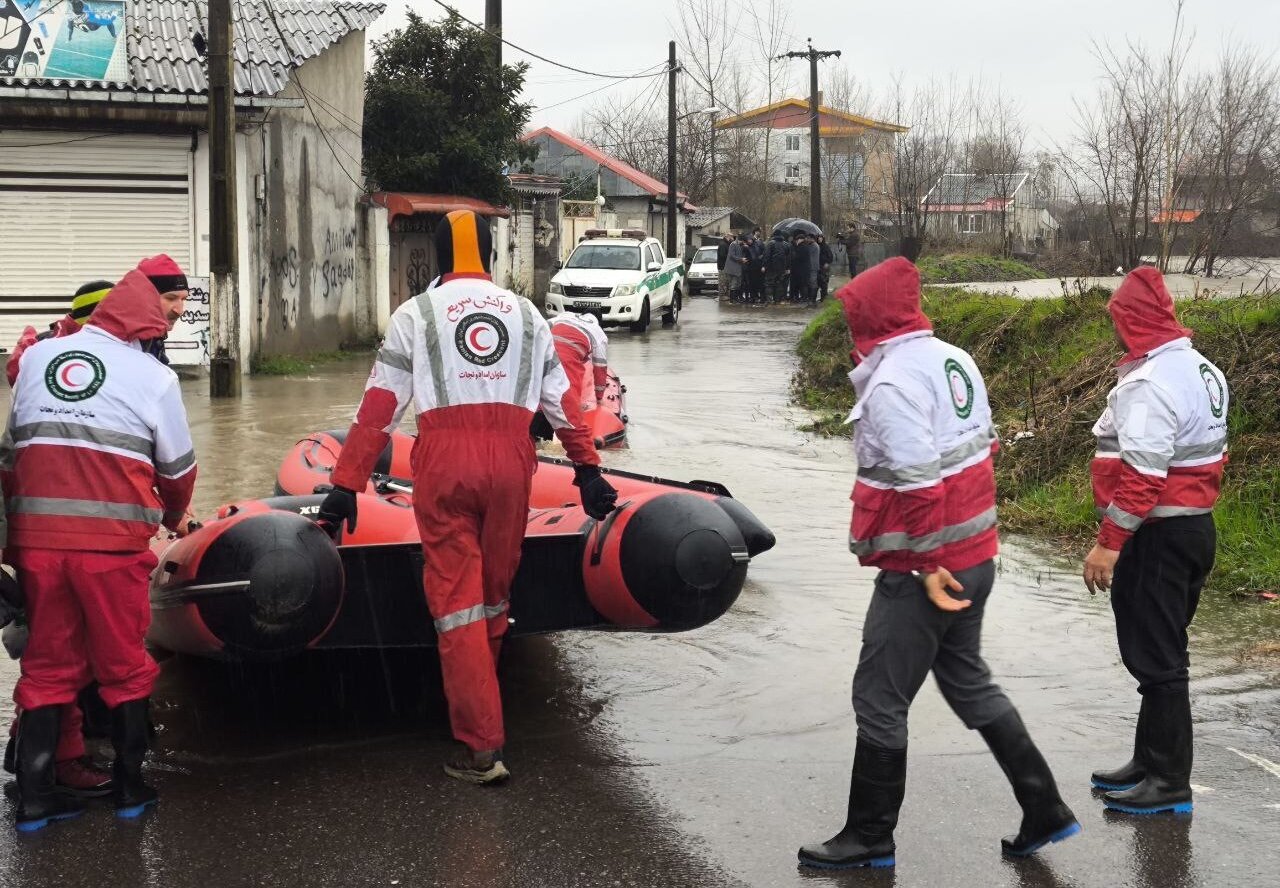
(75, 207)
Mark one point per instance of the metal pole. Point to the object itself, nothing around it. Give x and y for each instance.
(493, 24)
(672, 68)
(224, 302)
(815, 144)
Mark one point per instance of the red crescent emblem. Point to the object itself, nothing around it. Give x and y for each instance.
(64, 375)
(474, 337)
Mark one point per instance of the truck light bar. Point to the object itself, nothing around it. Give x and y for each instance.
(634, 233)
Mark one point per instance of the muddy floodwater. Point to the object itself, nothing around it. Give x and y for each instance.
(701, 759)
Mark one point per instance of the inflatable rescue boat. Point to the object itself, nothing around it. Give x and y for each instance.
(264, 580)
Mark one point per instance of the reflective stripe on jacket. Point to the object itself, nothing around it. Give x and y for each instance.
(464, 342)
(97, 445)
(579, 337)
(1162, 441)
(925, 494)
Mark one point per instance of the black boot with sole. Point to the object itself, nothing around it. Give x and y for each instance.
(1167, 753)
(1130, 774)
(1045, 817)
(875, 794)
(130, 732)
(40, 800)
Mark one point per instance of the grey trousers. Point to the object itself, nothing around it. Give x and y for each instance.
(904, 637)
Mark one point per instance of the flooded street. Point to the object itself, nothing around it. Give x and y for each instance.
(700, 759)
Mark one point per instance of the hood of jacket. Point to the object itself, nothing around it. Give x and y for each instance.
(1142, 311)
(131, 311)
(883, 302)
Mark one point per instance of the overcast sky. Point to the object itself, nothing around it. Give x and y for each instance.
(1037, 52)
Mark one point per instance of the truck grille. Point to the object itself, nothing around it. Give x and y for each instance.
(588, 292)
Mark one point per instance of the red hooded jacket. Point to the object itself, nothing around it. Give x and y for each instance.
(925, 494)
(1162, 440)
(97, 451)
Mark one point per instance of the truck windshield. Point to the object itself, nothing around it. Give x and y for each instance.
(618, 258)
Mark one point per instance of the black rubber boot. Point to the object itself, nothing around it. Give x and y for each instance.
(130, 730)
(1130, 774)
(40, 801)
(1045, 817)
(875, 794)
(1167, 752)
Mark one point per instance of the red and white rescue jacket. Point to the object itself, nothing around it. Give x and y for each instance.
(97, 452)
(581, 343)
(469, 354)
(1162, 441)
(926, 493)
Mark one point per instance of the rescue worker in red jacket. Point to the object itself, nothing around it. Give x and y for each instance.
(476, 360)
(74, 768)
(583, 349)
(99, 454)
(924, 512)
(1162, 447)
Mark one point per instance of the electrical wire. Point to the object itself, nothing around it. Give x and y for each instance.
(601, 89)
(533, 54)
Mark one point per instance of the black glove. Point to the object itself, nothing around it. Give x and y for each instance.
(339, 506)
(598, 495)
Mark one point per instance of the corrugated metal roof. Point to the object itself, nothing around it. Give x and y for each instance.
(272, 37)
(707, 215)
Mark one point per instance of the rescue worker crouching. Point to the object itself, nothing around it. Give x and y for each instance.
(1157, 473)
(99, 454)
(924, 513)
(476, 361)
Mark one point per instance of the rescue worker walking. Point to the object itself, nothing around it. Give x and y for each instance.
(99, 455)
(924, 513)
(1162, 447)
(583, 349)
(476, 360)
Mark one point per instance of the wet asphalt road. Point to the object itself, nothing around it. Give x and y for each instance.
(700, 759)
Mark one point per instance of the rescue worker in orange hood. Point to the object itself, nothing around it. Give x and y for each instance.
(85, 495)
(924, 512)
(476, 361)
(1162, 447)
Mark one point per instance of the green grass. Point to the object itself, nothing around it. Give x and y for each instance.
(1048, 364)
(963, 268)
(296, 365)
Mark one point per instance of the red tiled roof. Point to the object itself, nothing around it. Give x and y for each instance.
(400, 204)
(608, 161)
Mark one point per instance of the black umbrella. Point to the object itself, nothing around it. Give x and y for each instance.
(792, 227)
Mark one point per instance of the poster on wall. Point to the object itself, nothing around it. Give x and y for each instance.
(187, 345)
(63, 40)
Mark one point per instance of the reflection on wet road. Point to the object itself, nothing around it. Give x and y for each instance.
(699, 759)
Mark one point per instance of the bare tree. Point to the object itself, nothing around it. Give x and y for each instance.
(996, 155)
(1180, 98)
(771, 35)
(1235, 154)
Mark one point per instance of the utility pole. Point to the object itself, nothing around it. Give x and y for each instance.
(815, 134)
(224, 302)
(672, 69)
(493, 24)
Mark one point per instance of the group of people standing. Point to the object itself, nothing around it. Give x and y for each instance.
(783, 269)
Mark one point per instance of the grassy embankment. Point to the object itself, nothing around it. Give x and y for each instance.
(1048, 364)
(296, 365)
(955, 268)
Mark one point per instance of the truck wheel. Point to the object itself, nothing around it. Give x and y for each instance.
(672, 314)
(643, 324)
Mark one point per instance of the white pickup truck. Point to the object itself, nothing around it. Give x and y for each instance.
(625, 274)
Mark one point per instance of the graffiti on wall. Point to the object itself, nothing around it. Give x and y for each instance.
(292, 278)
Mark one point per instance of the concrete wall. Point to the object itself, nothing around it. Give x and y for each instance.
(308, 275)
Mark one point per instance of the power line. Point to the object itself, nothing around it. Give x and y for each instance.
(600, 89)
(533, 54)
